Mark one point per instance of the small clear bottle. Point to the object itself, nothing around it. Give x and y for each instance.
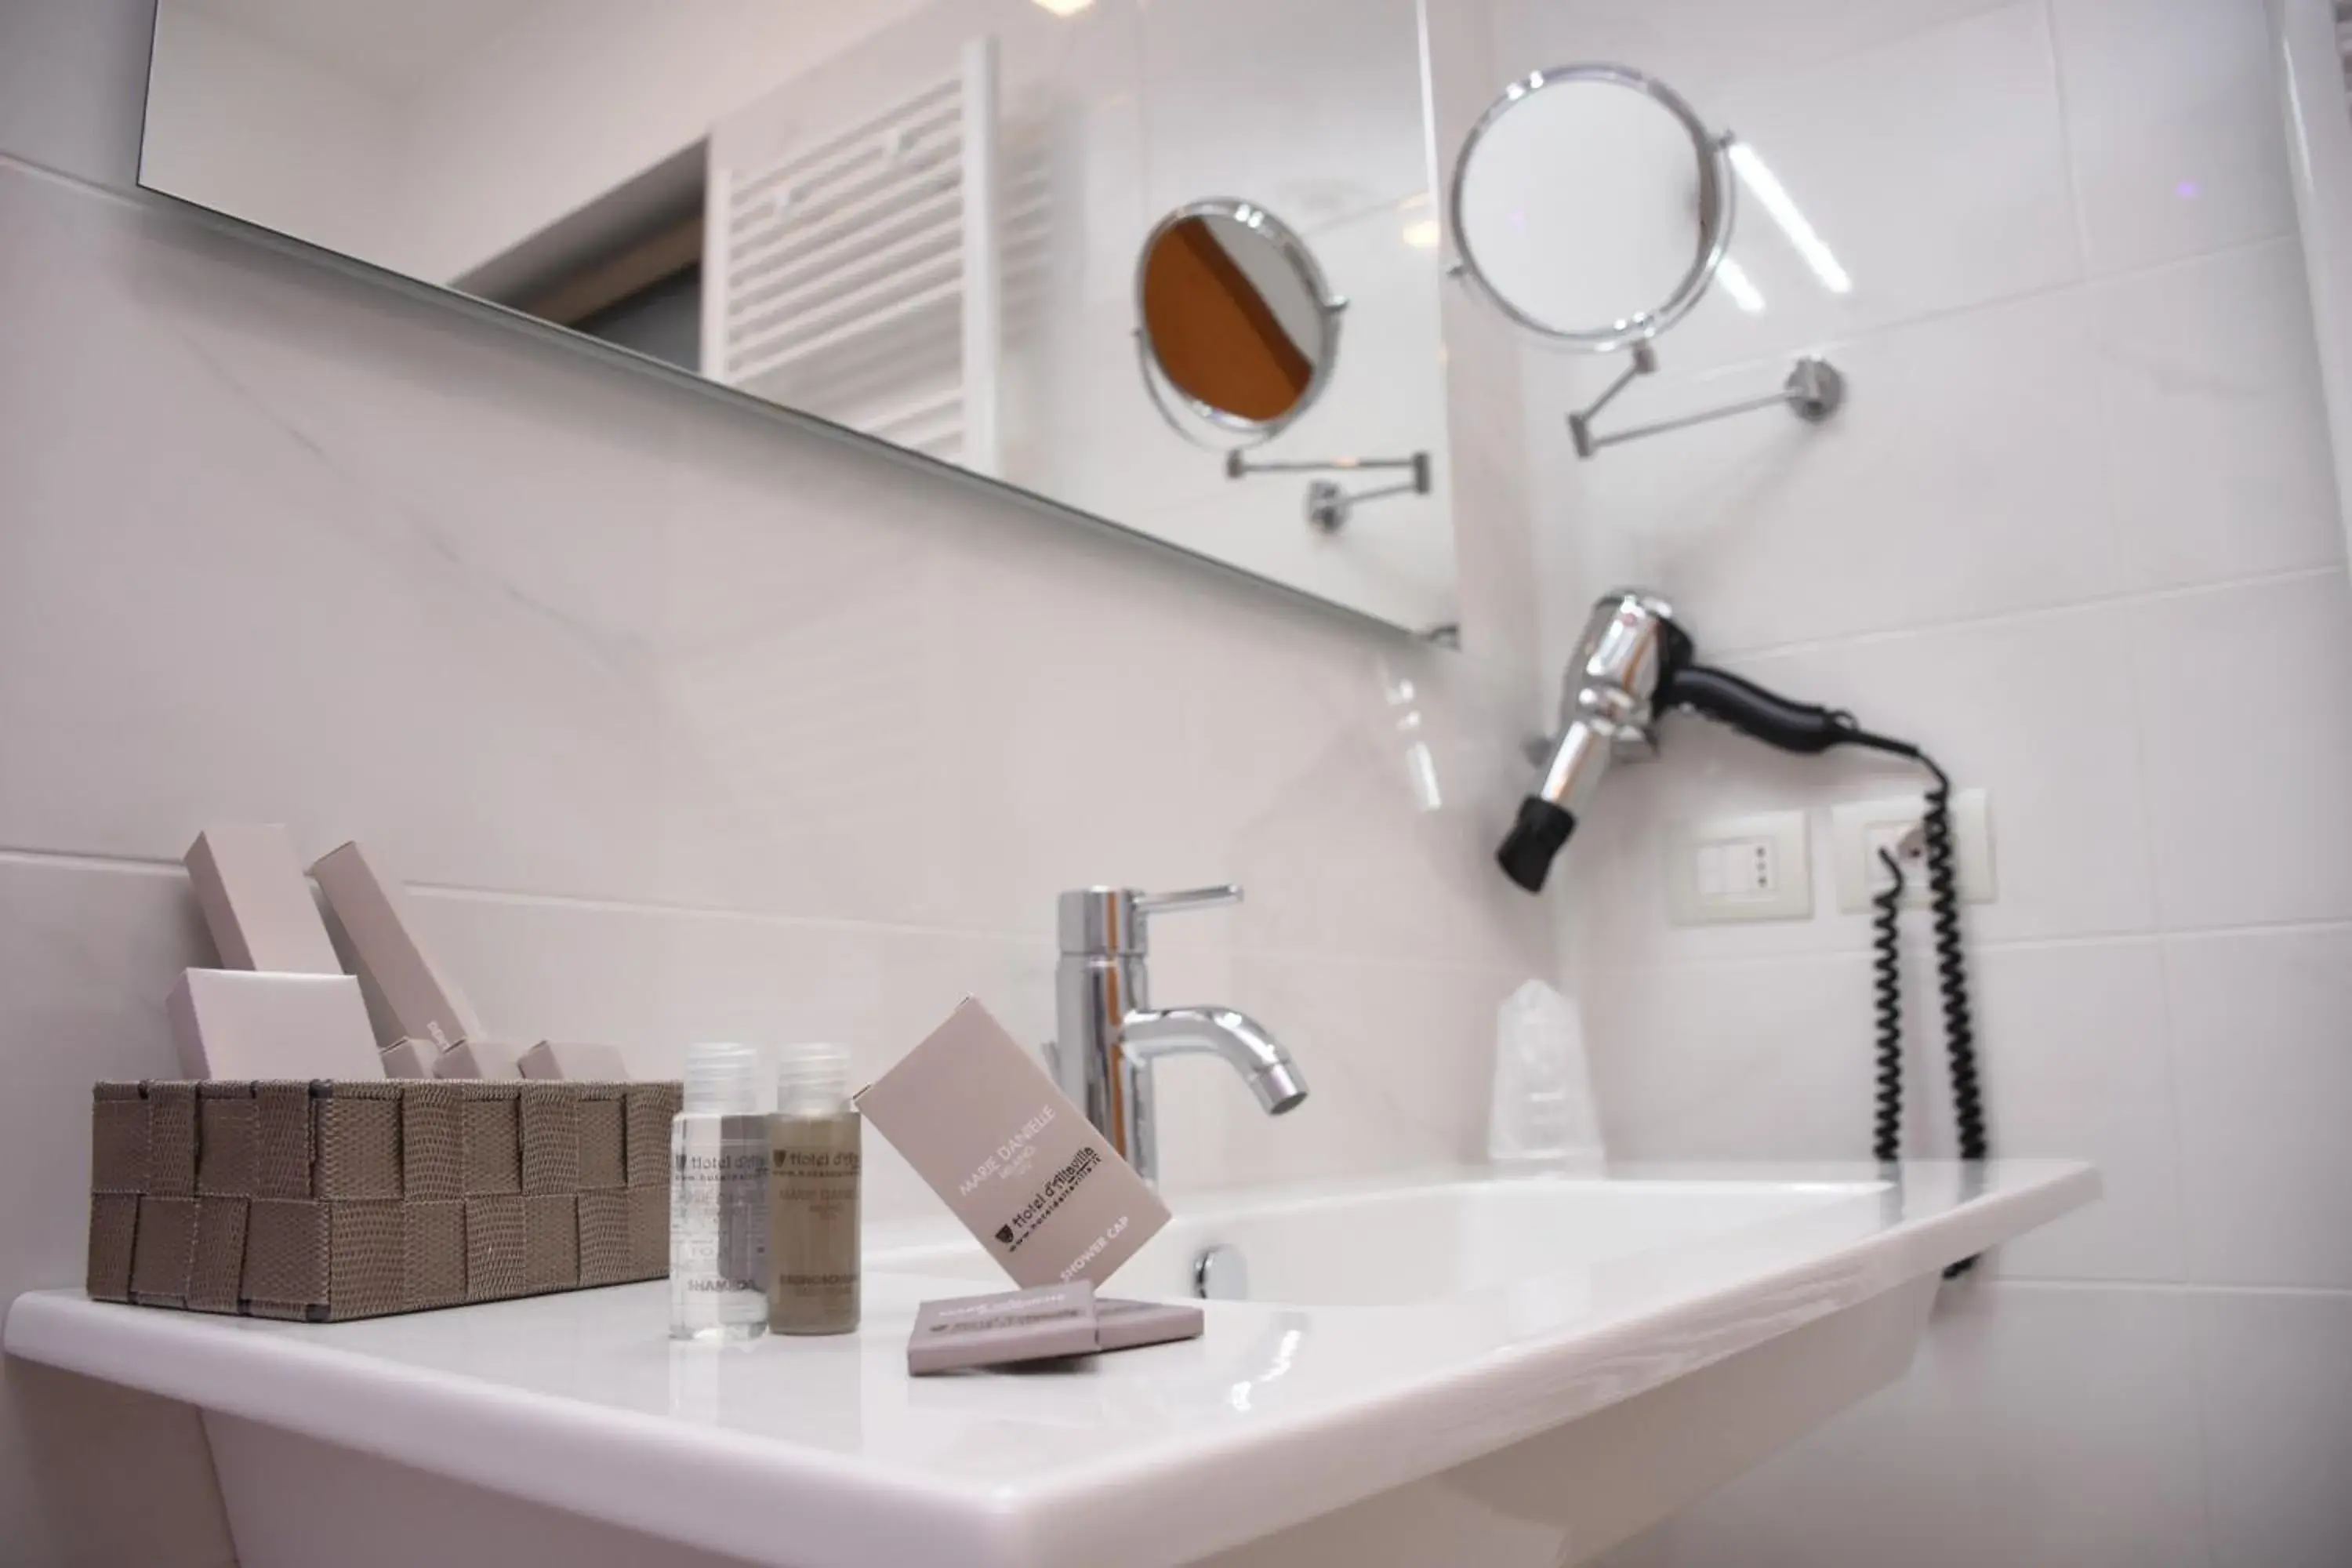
(814, 1163)
(718, 1199)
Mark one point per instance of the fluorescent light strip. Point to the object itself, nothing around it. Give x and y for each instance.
(1740, 286)
(1778, 201)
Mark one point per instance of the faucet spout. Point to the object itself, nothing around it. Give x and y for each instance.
(1107, 1034)
(1245, 1046)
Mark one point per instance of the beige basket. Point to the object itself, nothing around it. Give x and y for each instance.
(325, 1201)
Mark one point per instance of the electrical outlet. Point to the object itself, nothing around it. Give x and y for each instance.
(1740, 868)
(1859, 829)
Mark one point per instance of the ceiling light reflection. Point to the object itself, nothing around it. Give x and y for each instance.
(1777, 201)
(1740, 286)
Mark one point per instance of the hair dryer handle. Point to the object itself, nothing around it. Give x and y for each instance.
(1752, 711)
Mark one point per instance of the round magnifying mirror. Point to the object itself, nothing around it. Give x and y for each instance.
(1234, 318)
(1590, 204)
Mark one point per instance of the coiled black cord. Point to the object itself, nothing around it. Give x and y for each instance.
(1807, 730)
(1952, 977)
(1886, 982)
(1952, 967)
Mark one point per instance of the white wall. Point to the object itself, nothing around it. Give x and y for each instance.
(569, 99)
(242, 125)
(686, 721)
(2078, 531)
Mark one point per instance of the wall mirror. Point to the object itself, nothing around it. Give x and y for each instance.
(1592, 206)
(1237, 336)
(917, 219)
(1233, 320)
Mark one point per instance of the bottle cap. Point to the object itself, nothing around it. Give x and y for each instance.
(811, 1076)
(722, 1078)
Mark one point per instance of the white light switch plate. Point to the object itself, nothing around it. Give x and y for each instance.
(1858, 826)
(1734, 869)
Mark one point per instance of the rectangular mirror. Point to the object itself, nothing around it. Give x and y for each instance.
(944, 225)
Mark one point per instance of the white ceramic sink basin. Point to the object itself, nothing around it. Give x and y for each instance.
(1381, 1244)
(1437, 1370)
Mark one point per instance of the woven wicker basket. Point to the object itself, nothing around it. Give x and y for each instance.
(327, 1201)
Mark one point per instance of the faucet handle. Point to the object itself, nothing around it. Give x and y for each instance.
(1189, 899)
(1101, 921)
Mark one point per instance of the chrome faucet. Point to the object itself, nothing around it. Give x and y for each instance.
(1107, 1035)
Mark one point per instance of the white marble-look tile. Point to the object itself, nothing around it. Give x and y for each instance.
(296, 619)
(1318, 117)
(2248, 739)
(2216, 429)
(1356, 798)
(2038, 1425)
(2275, 1376)
(2072, 1042)
(1951, 485)
(1396, 1059)
(2172, 114)
(1932, 168)
(807, 671)
(652, 981)
(1775, 1060)
(1767, 1059)
(1500, 560)
(1702, 45)
(2262, 1026)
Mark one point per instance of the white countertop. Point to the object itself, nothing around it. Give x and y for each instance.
(1278, 1413)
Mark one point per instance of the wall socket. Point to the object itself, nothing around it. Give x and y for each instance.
(1736, 868)
(1859, 828)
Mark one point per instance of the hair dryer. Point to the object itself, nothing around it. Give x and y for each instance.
(1634, 663)
(1631, 664)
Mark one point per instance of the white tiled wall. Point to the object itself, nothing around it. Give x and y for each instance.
(688, 722)
(2077, 531)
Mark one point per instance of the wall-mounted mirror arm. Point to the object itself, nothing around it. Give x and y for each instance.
(1579, 425)
(1570, 217)
(1814, 390)
(1329, 506)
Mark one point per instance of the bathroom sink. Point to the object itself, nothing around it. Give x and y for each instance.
(1385, 1244)
(1449, 1368)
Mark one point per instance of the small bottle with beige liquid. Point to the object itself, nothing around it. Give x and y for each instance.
(813, 1162)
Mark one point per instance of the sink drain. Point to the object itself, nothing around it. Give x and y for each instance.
(1220, 1273)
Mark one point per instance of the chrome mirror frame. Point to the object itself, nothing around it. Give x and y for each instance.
(1323, 359)
(1716, 207)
